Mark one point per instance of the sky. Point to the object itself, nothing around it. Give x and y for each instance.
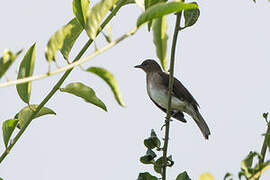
(223, 60)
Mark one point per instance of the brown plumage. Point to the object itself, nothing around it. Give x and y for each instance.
(182, 100)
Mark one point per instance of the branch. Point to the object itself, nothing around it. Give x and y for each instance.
(257, 175)
(167, 121)
(59, 83)
(72, 65)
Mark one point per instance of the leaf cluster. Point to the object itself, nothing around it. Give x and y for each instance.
(62, 40)
(153, 145)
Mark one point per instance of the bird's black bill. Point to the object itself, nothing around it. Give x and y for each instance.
(138, 66)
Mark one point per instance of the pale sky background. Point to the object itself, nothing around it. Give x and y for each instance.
(224, 61)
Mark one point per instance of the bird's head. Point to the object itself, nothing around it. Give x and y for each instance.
(149, 65)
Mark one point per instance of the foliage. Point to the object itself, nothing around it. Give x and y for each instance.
(85, 92)
(160, 39)
(93, 20)
(6, 61)
(26, 70)
(110, 80)
(63, 40)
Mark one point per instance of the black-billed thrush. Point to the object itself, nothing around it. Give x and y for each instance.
(182, 100)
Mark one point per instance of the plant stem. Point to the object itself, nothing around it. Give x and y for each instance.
(264, 146)
(171, 79)
(59, 83)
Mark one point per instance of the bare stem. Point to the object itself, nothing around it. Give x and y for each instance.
(263, 152)
(58, 84)
(264, 146)
(171, 79)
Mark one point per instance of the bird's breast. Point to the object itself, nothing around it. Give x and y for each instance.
(159, 94)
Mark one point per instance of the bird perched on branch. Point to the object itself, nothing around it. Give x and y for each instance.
(182, 101)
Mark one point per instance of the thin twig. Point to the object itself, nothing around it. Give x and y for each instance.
(167, 121)
(72, 65)
(263, 152)
(264, 146)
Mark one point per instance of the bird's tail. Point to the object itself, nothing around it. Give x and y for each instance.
(201, 124)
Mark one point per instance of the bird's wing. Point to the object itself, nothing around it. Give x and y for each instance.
(179, 115)
(179, 90)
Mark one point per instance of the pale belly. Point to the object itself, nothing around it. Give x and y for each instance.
(161, 97)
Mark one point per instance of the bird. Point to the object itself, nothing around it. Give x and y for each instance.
(182, 101)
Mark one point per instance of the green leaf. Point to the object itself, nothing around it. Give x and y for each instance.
(95, 16)
(228, 175)
(158, 165)
(88, 94)
(80, 9)
(149, 157)
(146, 176)
(160, 40)
(163, 8)
(183, 176)
(153, 141)
(63, 40)
(147, 4)
(6, 60)
(246, 164)
(25, 114)
(206, 176)
(110, 80)
(26, 70)
(8, 128)
(191, 16)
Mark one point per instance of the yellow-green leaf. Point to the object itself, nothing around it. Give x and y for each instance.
(8, 128)
(25, 114)
(147, 4)
(26, 70)
(80, 9)
(95, 16)
(163, 8)
(6, 61)
(160, 40)
(110, 80)
(85, 92)
(63, 40)
(206, 176)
